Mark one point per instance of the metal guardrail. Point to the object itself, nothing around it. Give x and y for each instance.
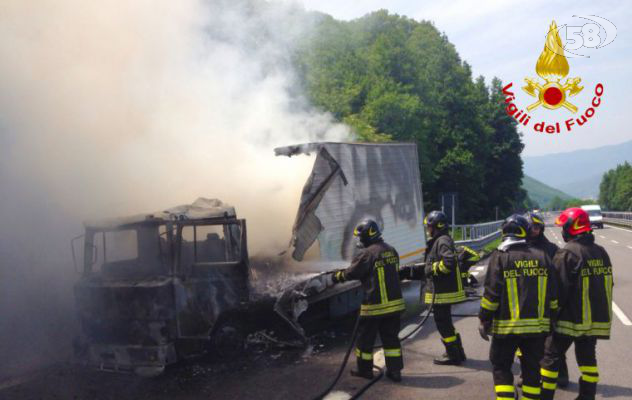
(478, 236)
(477, 231)
(617, 217)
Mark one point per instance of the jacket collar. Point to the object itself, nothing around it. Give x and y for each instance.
(585, 238)
(509, 242)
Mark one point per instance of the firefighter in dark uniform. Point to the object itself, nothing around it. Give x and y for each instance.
(537, 239)
(517, 308)
(377, 267)
(443, 278)
(585, 286)
(536, 236)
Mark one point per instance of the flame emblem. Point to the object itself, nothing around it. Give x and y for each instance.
(552, 66)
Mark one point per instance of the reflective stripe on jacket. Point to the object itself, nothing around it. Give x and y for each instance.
(586, 286)
(442, 271)
(377, 267)
(520, 292)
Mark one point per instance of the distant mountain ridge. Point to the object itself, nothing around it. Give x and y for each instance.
(579, 172)
(541, 193)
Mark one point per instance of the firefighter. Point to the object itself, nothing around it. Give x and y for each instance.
(585, 286)
(536, 236)
(518, 303)
(377, 267)
(443, 278)
(537, 239)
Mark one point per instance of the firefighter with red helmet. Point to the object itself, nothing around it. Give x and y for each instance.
(585, 287)
(377, 267)
(518, 304)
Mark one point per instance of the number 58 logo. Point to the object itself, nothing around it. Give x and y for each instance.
(597, 33)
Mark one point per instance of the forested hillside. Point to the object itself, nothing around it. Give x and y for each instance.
(615, 191)
(541, 194)
(394, 78)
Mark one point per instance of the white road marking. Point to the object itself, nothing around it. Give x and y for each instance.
(378, 359)
(13, 382)
(619, 228)
(337, 395)
(614, 241)
(625, 320)
(630, 247)
(408, 329)
(602, 236)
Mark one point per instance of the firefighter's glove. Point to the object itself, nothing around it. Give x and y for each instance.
(338, 276)
(328, 279)
(484, 330)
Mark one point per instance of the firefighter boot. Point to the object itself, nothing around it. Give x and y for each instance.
(549, 383)
(562, 380)
(461, 349)
(364, 362)
(362, 374)
(395, 376)
(587, 390)
(452, 355)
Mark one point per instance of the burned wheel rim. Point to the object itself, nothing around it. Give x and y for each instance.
(228, 339)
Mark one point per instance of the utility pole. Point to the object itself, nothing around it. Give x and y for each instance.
(496, 214)
(453, 195)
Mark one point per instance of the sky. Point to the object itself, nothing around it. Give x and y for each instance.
(505, 38)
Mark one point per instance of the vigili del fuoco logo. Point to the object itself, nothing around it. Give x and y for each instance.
(553, 93)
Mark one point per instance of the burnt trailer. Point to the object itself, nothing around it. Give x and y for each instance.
(159, 287)
(348, 183)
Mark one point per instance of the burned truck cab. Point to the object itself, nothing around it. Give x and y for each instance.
(155, 288)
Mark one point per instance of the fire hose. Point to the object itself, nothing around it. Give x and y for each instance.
(380, 371)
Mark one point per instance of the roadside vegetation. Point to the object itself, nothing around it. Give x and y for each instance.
(562, 204)
(615, 191)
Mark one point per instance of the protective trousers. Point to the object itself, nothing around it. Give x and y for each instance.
(502, 354)
(388, 327)
(585, 352)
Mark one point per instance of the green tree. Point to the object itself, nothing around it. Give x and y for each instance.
(394, 78)
(615, 190)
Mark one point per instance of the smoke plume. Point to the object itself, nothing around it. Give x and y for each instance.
(121, 107)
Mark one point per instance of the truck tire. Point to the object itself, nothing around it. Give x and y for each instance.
(228, 338)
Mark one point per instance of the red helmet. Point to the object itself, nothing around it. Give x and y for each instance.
(574, 221)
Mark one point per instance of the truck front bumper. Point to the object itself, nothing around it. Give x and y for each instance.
(131, 358)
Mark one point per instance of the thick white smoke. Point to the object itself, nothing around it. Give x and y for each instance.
(118, 107)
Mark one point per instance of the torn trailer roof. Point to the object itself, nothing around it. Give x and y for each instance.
(353, 181)
(202, 208)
